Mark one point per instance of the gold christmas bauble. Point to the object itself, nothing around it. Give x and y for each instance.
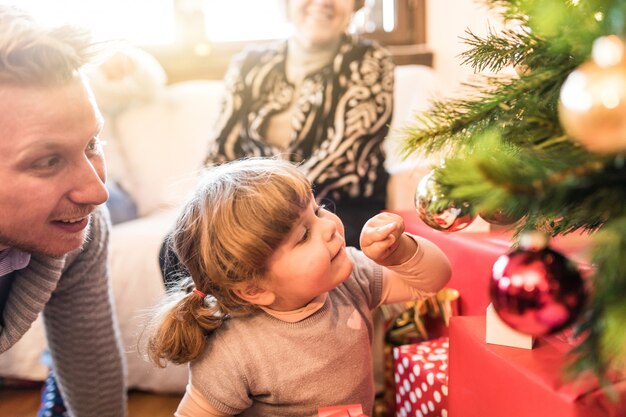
(592, 102)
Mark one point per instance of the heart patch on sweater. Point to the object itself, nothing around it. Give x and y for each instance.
(355, 321)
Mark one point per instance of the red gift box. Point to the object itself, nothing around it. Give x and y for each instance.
(421, 377)
(488, 380)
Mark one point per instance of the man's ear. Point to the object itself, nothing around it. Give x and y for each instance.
(254, 294)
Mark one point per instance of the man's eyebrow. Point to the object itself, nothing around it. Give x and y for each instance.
(43, 145)
(50, 144)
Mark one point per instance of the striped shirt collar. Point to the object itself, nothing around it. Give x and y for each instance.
(12, 259)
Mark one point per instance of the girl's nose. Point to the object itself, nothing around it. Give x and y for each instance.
(330, 227)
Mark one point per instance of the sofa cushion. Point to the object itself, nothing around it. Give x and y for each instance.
(126, 78)
(165, 142)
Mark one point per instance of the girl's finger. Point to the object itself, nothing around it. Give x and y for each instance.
(384, 231)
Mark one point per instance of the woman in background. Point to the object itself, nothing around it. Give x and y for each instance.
(323, 99)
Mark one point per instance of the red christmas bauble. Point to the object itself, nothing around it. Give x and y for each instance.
(536, 290)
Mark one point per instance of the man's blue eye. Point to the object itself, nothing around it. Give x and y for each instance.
(48, 162)
(95, 145)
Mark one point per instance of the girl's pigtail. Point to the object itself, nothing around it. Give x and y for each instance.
(180, 328)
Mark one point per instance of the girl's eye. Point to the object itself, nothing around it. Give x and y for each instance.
(305, 236)
(319, 210)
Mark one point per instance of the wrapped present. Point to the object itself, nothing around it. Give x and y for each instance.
(350, 410)
(421, 378)
(488, 380)
(419, 320)
(409, 323)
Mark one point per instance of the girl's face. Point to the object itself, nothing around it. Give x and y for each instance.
(447, 217)
(311, 261)
(319, 23)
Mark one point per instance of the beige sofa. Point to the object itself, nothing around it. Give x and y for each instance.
(156, 146)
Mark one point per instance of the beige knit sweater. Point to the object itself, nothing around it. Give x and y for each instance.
(74, 294)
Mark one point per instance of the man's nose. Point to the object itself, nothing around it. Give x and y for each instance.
(89, 179)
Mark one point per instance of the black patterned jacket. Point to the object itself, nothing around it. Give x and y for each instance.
(341, 118)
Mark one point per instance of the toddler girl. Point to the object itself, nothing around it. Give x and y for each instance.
(279, 321)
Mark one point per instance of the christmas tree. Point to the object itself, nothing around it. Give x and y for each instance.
(545, 144)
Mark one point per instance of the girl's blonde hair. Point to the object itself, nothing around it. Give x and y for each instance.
(238, 216)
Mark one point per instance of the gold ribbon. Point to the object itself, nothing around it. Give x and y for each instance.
(406, 321)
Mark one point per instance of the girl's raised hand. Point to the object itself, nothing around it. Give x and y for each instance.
(381, 238)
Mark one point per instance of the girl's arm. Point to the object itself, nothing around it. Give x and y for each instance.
(414, 267)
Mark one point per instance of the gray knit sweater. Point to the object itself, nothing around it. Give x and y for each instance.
(75, 296)
(263, 366)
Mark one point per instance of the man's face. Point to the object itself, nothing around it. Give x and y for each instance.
(52, 171)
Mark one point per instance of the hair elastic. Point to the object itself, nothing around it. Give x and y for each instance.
(200, 293)
(208, 301)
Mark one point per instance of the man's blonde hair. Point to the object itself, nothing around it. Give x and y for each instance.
(35, 55)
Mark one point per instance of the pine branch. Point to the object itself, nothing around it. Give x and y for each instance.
(603, 344)
(496, 174)
(493, 101)
(497, 50)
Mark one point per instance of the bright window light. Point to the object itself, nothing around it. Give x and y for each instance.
(145, 22)
(389, 15)
(152, 22)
